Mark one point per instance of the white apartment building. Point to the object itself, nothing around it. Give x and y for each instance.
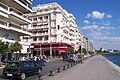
(52, 24)
(12, 20)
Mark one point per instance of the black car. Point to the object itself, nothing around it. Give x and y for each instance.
(20, 69)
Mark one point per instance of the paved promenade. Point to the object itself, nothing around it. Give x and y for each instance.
(95, 68)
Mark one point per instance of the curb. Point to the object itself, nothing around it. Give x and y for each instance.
(113, 65)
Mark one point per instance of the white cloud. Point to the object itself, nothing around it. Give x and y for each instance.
(88, 16)
(106, 28)
(96, 15)
(106, 23)
(86, 22)
(90, 27)
(96, 27)
(109, 16)
(101, 39)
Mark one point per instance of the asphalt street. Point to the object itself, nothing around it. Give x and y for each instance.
(50, 66)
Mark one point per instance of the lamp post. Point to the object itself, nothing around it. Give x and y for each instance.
(49, 24)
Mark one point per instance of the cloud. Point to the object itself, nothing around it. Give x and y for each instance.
(106, 28)
(96, 15)
(96, 27)
(118, 19)
(86, 22)
(107, 23)
(109, 16)
(102, 39)
(90, 27)
(88, 16)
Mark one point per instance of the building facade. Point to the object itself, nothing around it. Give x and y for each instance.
(52, 25)
(47, 27)
(13, 23)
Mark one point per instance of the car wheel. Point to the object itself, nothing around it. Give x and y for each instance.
(22, 76)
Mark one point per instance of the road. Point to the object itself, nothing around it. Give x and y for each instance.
(95, 68)
(52, 65)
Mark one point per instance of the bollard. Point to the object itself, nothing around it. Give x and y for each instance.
(64, 68)
(58, 71)
(51, 73)
(67, 66)
(40, 77)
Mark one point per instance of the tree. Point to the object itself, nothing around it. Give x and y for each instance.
(79, 50)
(15, 47)
(70, 50)
(84, 50)
(3, 48)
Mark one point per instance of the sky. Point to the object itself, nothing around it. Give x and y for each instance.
(98, 20)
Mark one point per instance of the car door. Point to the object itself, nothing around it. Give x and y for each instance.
(34, 67)
(26, 67)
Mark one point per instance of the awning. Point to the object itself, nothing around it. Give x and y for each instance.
(54, 43)
(62, 50)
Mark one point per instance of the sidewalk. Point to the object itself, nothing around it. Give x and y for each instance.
(95, 68)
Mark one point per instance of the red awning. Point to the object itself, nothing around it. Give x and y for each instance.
(53, 43)
(62, 50)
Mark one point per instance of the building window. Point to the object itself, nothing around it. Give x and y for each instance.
(34, 19)
(46, 37)
(46, 9)
(40, 38)
(58, 26)
(40, 18)
(34, 39)
(8, 36)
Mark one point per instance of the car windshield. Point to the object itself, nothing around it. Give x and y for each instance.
(12, 65)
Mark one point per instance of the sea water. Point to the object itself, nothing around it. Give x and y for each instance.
(114, 57)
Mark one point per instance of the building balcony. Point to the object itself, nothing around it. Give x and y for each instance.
(66, 35)
(39, 41)
(3, 25)
(39, 27)
(19, 29)
(24, 5)
(41, 34)
(18, 16)
(20, 5)
(29, 1)
(4, 8)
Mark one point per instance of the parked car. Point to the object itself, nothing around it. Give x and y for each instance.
(72, 58)
(20, 69)
(65, 57)
(40, 62)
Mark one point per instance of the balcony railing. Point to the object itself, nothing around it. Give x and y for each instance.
(3, 6)
(14, 26)
(16, 11)
(3, 23)
(17, 27)
(25, 4)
